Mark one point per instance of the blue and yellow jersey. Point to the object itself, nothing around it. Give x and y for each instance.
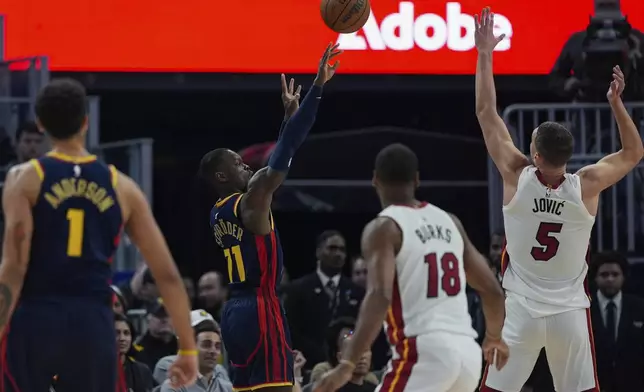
(77, 225)
(254, 261)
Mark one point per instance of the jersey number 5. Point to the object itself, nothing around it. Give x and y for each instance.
(234, 254)
(450, 282)
(76, 220)
(549, 243)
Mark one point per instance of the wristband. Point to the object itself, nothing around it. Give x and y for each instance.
(188, 353)
(348, 363)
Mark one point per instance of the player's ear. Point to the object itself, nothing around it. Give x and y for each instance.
(417, 180)
(374, 180)
(41, 128)
(85, 125)
(221, 177)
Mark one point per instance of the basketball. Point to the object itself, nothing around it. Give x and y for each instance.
(345, 16)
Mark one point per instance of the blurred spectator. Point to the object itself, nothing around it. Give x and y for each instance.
(583, 69)
(497, 241)
(360, 382)
(212, 293)
(133, 376)
(190, 289)
(118, 303)
(359, 271)
(618, 321)
(159, 340)
(212, 377)
(30, 143)
(313, 300)
(140, 290)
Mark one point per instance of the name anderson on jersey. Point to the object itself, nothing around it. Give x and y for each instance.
(78, 187)
(549, 206)
(428, 232)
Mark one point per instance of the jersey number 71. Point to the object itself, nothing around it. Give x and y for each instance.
(450, 281)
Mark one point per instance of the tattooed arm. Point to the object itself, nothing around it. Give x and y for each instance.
(20, 190)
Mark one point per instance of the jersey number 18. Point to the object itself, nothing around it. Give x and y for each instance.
(450, 281)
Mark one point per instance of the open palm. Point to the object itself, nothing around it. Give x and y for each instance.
(617, 85)
(290, 96)
(484, 32)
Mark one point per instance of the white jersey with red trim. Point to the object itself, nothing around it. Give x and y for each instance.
(429, 287)
(547, 232)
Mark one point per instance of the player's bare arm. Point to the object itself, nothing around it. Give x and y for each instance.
(21, 188)
(506, 156)
(480, 278)
(381, 242)
(146, 235)
(612, 168)
(256, 203)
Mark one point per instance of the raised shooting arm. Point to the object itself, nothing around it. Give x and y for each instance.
(256, 203)
(612, 168)
(506, 156)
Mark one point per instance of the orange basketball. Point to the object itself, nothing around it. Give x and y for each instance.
(345, 16)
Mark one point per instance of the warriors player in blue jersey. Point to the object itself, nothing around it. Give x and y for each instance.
(253, 326)
(64, 214)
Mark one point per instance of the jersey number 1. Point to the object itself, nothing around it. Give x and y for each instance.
(76, 220)
(450, 282)
(234, 254)
(549, 243)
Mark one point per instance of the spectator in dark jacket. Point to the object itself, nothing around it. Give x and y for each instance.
(133, 376)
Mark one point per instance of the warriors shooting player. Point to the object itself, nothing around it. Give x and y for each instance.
(419, 257)
(253, 326)
(64, 214)
(549, 215)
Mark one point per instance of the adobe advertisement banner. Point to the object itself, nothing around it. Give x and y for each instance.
(259, 36)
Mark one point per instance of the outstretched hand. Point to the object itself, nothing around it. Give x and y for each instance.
(617, 85)
(484, 32)
(326, 70)
(290, 96)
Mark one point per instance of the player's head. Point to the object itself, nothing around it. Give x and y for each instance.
(396, 172)
(551, 145)
(609, 269)
(61, 109)
(225, 170)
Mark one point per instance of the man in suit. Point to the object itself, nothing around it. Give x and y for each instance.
(313, 300)
(618, 325)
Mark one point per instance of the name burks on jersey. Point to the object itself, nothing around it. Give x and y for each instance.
(404, 30)
(427, 232)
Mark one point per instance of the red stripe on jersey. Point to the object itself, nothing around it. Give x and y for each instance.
(395, 321)
(396, 379)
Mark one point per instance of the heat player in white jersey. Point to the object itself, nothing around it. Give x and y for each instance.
(418, 258)
(548, 216)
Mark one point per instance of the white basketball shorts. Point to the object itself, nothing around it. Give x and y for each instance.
(440, 362)
(567, 338)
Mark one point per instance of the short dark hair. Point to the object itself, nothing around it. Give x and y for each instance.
(554, 143)
(26, 127)
(61, 107)
(609, 257)
(211, 163)
(322, 238)
(206, 326)
(333, 332)
(396, 164)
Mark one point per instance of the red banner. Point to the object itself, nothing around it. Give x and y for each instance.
(401, 37)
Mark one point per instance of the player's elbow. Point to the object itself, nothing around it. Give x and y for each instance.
(381, 294)
(485, 111)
